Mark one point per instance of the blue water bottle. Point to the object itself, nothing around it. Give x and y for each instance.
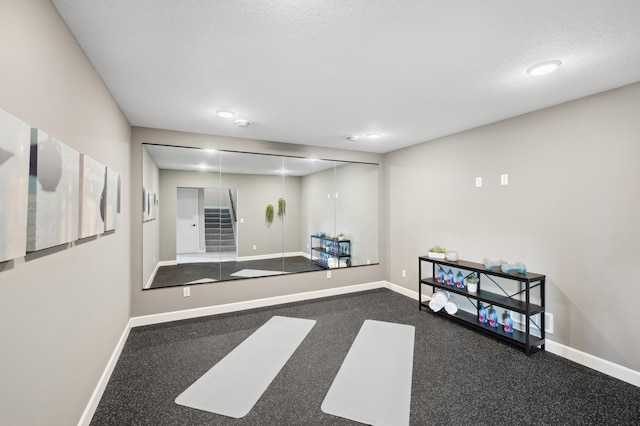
(508, 324)
(440, 277)
(450, 277)
(482, 314)
(459, 280)
(493, 319)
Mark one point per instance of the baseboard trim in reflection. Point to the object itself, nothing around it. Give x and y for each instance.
(251, 304)
(155, 271)
(272, 256)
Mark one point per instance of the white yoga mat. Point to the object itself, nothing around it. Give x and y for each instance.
(201, 281)
(236, 382)
(251, 273)
(373, 385)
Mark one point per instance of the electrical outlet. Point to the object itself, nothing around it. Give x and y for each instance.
(328, 274)
(478, 182)
(404, 273)
(242, 220)
(329, 195)
(254, 247)
(186, 291)
(548, 322)
(504, 179)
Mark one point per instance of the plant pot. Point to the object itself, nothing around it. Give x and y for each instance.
(434, 255)
(472, 287)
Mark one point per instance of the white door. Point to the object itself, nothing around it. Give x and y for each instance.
(187, 221)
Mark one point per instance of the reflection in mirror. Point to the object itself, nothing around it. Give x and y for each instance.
(356, 219)
(214, 221)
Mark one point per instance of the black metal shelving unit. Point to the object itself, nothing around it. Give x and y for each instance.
(324, 248)
(525, 340)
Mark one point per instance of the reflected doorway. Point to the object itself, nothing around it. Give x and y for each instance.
(206, 228)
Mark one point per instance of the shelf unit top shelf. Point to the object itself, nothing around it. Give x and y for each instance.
(337, 240)
(528, 277)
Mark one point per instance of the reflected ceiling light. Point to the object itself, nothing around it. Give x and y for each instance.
(544, 67)
(242, 122)
(225, 113)
(374, 135)
(210, 151)
(282, 171)
(203, 166)
(353, 137)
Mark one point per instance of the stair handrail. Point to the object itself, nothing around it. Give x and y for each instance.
(233, 205)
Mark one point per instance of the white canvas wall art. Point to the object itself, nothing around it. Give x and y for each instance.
(145, 204)
(113, 199)
(54, 187)
(14, 185)
(93, 178)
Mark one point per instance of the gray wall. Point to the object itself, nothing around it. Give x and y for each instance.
(570, 211)
(61, 313)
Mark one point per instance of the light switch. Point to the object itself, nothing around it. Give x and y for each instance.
(478, 182)
(504, 179)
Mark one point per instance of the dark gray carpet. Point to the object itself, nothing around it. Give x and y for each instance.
(460, 377)
(169, 276)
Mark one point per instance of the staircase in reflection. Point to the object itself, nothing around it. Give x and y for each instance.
(218, 230)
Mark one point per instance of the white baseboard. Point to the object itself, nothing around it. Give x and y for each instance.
(251, 304)
(270, 256)
(155, 270)
(406, 292)
(602, 365)
(91, 407)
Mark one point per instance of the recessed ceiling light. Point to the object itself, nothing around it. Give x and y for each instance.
(544, 67)
(210, 151)
(203, 166)
(353, 137)
(374, 135)
(242, 122)
(225, 113)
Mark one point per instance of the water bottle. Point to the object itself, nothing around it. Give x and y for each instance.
(440, 276)
(508, 324)
(482, 314)
(493, 319)
(450, 277)
(459, 280)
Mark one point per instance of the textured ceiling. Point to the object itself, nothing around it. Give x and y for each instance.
(314, 72)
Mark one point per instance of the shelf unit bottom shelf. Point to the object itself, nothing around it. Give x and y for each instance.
(517, 338)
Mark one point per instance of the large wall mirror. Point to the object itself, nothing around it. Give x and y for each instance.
(220, 215)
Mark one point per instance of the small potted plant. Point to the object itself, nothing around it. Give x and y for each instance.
(341, 236)
(268, 215)
(472, 283)
(437, 252)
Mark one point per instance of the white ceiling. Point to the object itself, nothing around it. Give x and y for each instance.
(313, 72)
(195, 159)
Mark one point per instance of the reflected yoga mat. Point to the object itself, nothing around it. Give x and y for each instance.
(255, 273)
(373, 385)
(233, 386)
